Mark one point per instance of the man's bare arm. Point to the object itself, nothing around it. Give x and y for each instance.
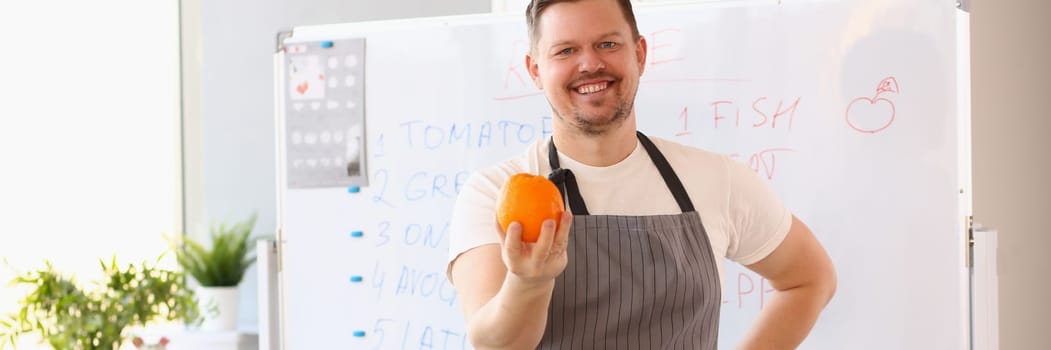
(509, 310)
(804, 279)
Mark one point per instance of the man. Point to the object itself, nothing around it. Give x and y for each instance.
(637, 265)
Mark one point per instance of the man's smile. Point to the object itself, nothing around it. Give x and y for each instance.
(592, 86)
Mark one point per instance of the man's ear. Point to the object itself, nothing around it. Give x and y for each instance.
(640, 54)
(534, 71)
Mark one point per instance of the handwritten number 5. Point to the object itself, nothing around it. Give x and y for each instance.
(378, 330)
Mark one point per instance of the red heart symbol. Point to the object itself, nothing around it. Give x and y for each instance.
(302, 88)
(872, 116)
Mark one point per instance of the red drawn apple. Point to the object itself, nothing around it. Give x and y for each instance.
(302, 88)
(873, 114)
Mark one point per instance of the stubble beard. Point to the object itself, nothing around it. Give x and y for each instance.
(592, 125)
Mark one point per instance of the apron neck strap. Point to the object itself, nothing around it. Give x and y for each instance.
(670, 178)
(567, 183)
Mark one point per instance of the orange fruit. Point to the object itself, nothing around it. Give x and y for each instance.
(529, 199)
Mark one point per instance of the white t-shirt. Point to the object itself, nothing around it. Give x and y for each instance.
(744, 219)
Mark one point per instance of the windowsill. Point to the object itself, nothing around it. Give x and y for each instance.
(181, 338)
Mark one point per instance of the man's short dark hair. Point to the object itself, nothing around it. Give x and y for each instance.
(536, 9)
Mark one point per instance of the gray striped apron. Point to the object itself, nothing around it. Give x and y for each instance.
(634, 282)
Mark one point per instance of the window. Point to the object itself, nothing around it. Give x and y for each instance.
(89, 135)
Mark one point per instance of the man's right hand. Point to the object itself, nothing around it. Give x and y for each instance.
(505, 305)
(537, 263)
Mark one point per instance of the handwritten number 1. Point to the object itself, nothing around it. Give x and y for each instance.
(685, 120)
(379, 147)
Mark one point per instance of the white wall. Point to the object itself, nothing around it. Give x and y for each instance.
(1011, 69)
(228, 117)
(228, 128)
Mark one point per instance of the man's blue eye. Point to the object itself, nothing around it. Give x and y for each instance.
(608, 44)
(565, 51)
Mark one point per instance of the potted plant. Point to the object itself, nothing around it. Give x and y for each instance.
(219, 269)
(69, 317)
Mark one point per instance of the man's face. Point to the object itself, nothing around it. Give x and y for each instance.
(588, 63)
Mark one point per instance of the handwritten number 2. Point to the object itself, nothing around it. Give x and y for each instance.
(381, 175)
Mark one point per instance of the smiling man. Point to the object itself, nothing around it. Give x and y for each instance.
(636, 263)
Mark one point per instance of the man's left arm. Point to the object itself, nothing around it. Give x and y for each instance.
(804, 280)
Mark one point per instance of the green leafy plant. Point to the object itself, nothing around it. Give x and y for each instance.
(69, 317)
(227, 260)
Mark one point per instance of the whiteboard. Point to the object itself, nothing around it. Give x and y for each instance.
(848, 108)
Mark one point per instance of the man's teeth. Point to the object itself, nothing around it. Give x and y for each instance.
(592, 88)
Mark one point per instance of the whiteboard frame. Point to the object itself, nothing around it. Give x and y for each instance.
(326, 32)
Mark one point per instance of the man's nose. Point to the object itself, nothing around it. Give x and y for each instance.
(591, 62)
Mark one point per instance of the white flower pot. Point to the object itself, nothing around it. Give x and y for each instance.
(225, 300)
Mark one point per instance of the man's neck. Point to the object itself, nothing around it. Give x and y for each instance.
(598, 150)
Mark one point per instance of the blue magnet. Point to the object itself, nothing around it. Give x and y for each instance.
(355, 279)
(326, 44)
(359, 334)
(353, 189)
(357, 234)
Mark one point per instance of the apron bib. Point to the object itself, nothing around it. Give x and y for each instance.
(634, 282)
